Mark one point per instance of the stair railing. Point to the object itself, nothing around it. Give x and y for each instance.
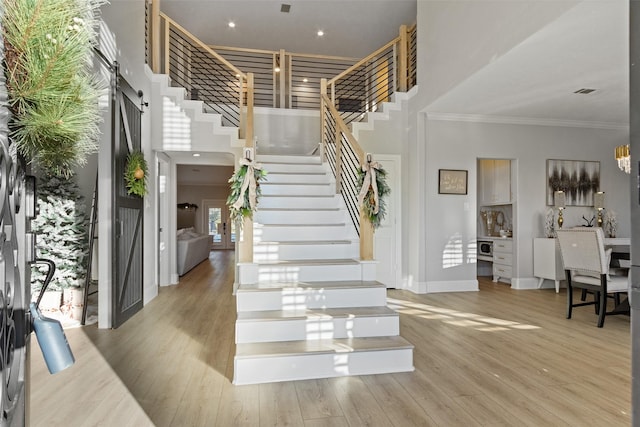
(207, 76)
(363, 87)
(344, 156)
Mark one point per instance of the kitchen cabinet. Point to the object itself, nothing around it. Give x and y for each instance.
(547, 261)
(495, 181)
(502, 260)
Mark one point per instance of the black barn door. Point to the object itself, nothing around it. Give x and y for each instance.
(127, 227)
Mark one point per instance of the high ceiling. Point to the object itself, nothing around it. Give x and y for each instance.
(585, 46)
(352, 28)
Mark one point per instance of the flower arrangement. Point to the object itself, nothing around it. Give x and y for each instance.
(245, 190)
(53, 92)
(549, 224)
(135, 174)
(372, 180)
(610, 224)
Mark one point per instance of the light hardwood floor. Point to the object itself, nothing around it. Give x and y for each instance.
(491, 358)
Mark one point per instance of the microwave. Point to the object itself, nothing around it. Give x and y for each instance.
(485, 250)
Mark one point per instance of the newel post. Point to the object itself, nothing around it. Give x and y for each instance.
(366, 228)
(403, 56)
(246, 241)
(155, 36)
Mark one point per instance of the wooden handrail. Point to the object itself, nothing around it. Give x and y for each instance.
(362, 61)
(343, 127)
(202, 45)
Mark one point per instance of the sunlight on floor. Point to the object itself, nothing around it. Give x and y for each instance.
(456, 318)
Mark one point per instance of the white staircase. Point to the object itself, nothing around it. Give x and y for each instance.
(314, 312)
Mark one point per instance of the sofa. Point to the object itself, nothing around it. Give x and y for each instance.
(193, 248)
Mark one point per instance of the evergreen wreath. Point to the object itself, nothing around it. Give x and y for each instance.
(136, 173)
(368, 204)
(236, 181)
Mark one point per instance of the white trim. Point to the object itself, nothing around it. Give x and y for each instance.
(483, 118)
(451, 286)
(526, 283)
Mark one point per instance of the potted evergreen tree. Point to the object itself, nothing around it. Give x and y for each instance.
(61, 230)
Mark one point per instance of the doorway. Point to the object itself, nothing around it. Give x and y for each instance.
(218, 225)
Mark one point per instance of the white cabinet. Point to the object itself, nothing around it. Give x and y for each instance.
(502, 260)
(547, 261)
(495, 181)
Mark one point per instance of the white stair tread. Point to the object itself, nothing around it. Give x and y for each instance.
(335, 224)
(297, 173)
(299, 209)
(278, 286)
(339, 345)
(310, 314)
(312, 262)
(305, 242)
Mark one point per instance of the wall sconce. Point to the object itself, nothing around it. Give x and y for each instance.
(187, 206)
(598, 203)
(560, 203)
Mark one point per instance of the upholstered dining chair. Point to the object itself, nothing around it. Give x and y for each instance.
(586, 265)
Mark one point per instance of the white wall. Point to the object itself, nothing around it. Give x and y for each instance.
(457, 145)
(281, 131)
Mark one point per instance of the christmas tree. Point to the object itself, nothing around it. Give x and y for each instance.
(62, 237)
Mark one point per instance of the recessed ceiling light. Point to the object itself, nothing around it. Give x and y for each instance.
(305, 80)
(196, 154)
(277, 69)
(320, 33)
(232, 24)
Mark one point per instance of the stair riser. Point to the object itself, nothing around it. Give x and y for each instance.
(309, 273)
(303, 329)
(301, 367)
(275, 158)
(287, 233)
(302, 299)
(322, 202)
(282, 178)
(297, 189)
(281, 167)
(299, 217)
(264, 252)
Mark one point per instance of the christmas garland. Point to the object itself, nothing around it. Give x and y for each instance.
(243, 198)
(135, 174)
(373, 198)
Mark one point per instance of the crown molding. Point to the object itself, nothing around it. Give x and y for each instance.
(511, 120)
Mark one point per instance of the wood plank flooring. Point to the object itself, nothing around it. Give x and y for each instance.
(491, 358)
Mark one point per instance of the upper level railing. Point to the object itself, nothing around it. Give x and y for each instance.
(284, 79)
(363, 87)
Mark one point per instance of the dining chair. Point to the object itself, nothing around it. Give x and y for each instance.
(586, 266)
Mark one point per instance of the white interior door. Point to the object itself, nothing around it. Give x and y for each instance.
(218, 225)
(386, 242)
(163, 271)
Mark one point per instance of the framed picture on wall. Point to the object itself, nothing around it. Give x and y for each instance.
(579, 180)
(452, 181)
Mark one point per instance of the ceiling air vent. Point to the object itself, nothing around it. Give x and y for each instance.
(285, 8)
(584, 91)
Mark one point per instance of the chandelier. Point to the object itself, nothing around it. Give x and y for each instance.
(623, 156)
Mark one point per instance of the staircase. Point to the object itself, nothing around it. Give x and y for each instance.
(314, 312)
